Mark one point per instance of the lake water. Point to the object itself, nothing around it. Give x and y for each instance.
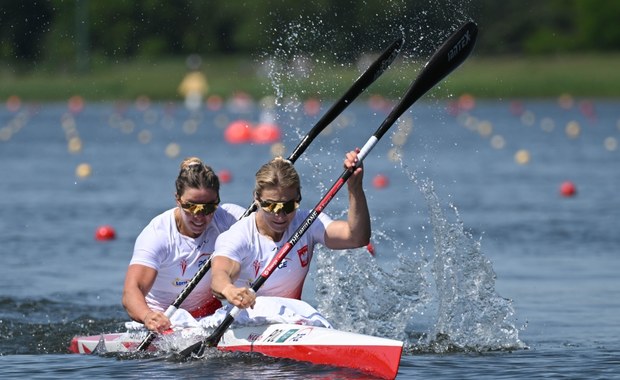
(482, 267)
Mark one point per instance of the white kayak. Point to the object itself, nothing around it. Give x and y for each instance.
(319, 345)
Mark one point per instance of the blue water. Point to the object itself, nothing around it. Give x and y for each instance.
(482, 268)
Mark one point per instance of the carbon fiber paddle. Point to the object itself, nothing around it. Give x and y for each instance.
(448, 57)
(371, 74)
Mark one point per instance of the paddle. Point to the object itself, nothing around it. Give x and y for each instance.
(366, 79)
(447, 58)
(371, 74)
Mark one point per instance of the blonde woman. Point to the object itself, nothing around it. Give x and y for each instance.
(243, 252)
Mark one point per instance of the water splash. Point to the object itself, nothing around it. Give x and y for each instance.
(440, 302)
(470, 315)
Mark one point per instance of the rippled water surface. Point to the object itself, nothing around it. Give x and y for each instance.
(482, 267)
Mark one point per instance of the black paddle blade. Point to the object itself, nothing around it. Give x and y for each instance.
(212, 340)
(446, 58)
(372, 73)
(196, 349)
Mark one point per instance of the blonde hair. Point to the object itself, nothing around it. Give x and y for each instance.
(195, 174)
(276, 173)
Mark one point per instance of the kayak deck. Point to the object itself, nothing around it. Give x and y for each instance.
(318, 345)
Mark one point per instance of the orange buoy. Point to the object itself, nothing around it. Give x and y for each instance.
(568, 189)
(378, 103)
(312, 106)
(380, 181)
(13, 103)
(238, 132)
(224, 176)
(215, 102)
(76, 104)
(466, 102)
(105, 232)
(266, 133)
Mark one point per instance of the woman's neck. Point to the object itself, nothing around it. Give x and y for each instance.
(178, 219)
(264, 229)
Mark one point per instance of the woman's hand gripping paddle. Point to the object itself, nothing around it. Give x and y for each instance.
(448, 57)
(371, 74)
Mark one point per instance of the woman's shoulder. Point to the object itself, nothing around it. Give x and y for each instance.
(233, 209)
(162, 220)
(227, 214)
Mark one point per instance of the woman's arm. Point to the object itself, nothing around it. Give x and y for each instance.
(224, 272)
(138, 282)
(355, 231)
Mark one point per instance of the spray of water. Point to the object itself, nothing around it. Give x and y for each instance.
(438, 301)
(438, 297)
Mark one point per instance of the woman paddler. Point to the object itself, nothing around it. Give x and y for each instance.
(243, 252)
(174, 245)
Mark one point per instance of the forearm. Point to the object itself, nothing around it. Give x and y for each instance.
(358, 217)
(135, 305)
(219, 282)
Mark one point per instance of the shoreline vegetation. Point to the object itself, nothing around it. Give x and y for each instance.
(585, 76)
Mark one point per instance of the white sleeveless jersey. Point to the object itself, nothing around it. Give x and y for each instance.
(177, 257)
(245, 245)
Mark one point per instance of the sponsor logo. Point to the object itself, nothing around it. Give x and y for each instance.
(274, 335)
(286, 335)
(301, 334)
(460, 45)
(283, 263)
(179, 282)
(202, 260)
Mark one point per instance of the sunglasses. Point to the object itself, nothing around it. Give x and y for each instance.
(277, 207)
(199, 208)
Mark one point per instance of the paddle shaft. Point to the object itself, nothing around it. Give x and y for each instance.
(374, 71)
(371, 74)
(177, 302)
(447, 58)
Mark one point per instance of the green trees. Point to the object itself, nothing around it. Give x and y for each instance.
(70, 33)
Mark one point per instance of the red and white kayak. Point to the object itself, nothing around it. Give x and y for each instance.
(319, 345)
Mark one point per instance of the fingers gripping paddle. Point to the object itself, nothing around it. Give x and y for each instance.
(371, 74)
(447, 58)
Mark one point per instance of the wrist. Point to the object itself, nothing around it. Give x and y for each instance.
(146, 316)
(227, 289)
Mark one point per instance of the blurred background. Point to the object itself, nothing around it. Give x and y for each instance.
(53, 49)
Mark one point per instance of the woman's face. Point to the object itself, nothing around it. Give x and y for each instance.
(277, 207)
(193, 204)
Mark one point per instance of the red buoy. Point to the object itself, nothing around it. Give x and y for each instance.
(568, 189)
(104, 233)
(238, 132)
(371, 249)
(266, 133)
(380, 181)
(224, 176)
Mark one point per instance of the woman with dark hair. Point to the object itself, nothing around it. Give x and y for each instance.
(174, 245)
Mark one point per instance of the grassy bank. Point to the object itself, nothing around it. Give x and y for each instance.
(582, 76)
